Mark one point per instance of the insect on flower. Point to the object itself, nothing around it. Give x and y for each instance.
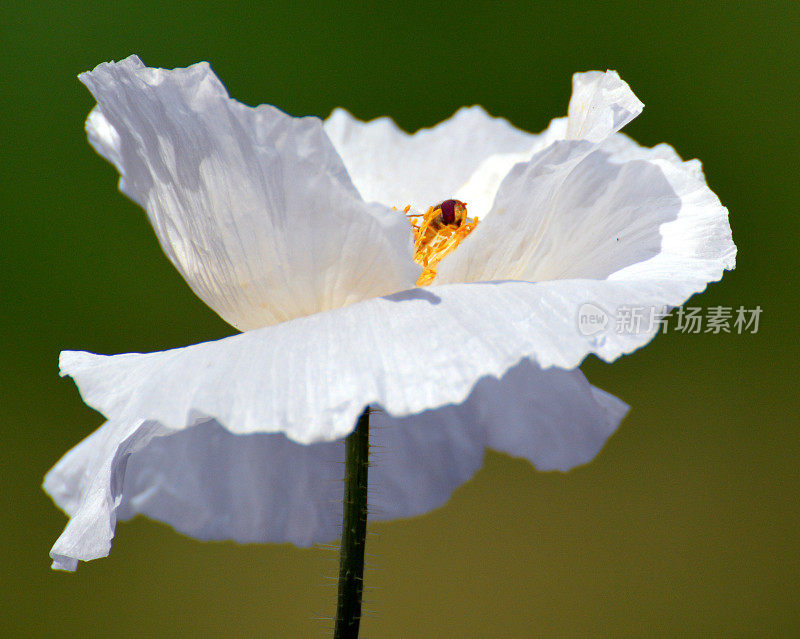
(437, 233)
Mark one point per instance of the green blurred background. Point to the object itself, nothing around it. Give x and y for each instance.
(687, 522)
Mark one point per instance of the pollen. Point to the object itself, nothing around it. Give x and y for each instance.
(437, 233)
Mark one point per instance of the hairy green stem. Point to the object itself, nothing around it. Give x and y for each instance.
(354, 530)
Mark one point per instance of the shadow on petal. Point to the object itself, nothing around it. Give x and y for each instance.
(414, 294)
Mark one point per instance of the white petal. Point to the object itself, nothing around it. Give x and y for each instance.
(390, 166)
(254, 207)
(601, 104)
(87, 484)
(479, 192)
(211, 484)
(607, 210)
(410, 352)
(566, 420)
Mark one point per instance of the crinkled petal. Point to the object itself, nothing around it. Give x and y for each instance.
(409, 352)
(395, 168)
(607, 209)
(601, 103)
(254, 207)
(211, 484)
(87, 484)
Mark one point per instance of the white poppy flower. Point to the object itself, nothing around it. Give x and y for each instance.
(286, 228)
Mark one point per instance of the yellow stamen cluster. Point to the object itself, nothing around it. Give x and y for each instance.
(434, 239)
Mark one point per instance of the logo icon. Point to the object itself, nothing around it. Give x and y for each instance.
(592, 319)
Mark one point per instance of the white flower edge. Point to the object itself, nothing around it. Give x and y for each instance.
(423, 168)
(601, 104)
(244, 200)
(599, 207)
(410, 352)
(468, 155)
(211, 484)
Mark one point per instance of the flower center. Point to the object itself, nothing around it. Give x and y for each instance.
(437, 233)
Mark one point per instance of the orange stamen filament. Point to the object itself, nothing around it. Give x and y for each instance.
(434, 240)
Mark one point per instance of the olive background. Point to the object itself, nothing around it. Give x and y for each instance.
(687, 522)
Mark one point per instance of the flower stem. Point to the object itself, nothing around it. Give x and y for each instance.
(354, 530)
